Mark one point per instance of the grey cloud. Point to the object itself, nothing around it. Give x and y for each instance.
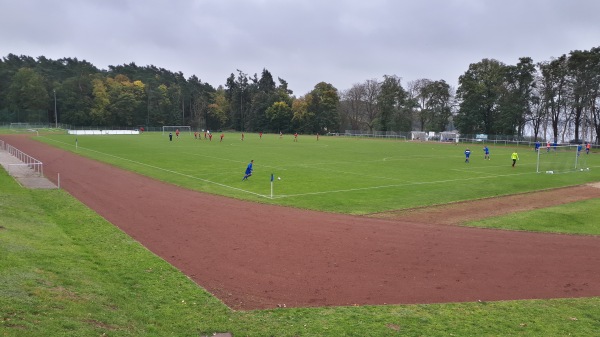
(303, 42)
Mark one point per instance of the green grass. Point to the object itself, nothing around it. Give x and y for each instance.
(334, 174)
(65, 271)
(574, 218)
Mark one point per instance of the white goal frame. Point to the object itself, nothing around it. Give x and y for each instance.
(419, 135)
(447, 136)
(553, 149)
(20, 126)
(172, 128)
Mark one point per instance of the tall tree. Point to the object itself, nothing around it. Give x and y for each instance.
(280, 114)
(537, 112)
(417, 90)
(301, 115)
(73, 84)
(352, 106)
(479, 90)
(100, 115)
(200, 97)
(27, 96)
(594, 108)
(372, 110)
(440, 104)
(583, 78)
(262, 97)
(394, 112)
(514, 103)
(324, 108)
(217, 111)
(554, 91)
(433, 99)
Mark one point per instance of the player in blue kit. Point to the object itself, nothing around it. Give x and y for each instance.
(486, 151)
(248, 170)
(467, 155)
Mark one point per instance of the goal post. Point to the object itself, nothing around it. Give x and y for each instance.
(560, 159)
(20, 126)
(173, 128)
(418, 135)
(447, 136)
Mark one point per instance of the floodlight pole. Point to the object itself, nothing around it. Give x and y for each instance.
(55, 113)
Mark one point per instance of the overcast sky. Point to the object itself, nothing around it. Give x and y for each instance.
(302, 41)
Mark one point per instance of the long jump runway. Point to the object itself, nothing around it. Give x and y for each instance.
(255, 256)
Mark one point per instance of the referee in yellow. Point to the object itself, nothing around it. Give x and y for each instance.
(515, 157)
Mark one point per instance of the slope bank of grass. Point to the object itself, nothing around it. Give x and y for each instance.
(65, 271)
(574, 218)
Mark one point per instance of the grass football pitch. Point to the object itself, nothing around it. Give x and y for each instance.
(335, 174)
(57, 277)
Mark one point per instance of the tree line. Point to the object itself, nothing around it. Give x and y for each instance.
(554, 99)
(78, 94)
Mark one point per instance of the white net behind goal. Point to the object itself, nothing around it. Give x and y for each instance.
(448, 137)
(19, 126)
(561, 159)
(418, 135)
(174, 128)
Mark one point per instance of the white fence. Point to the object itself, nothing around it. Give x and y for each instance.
(104, 132)
(28, 161)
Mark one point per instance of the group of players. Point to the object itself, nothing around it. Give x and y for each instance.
(515, 156)
(486, 152)
(208, 135)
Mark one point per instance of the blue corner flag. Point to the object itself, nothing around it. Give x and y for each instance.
(272, 177)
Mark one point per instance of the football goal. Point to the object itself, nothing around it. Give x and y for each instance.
(561, 159)
(418, 135)
(448, 136)
(174, 128)
(20, 126)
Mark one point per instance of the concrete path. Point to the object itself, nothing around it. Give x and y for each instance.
(23, 174)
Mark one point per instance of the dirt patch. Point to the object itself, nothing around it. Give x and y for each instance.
(460, 212)
(255, 256)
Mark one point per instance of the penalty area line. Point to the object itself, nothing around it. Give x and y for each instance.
(397, 185)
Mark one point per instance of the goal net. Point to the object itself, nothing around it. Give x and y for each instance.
(448, 137)
(561, 159)
(418, 135)
(20, 126)
(174, 128)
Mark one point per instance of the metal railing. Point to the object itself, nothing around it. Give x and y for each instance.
(32, 163)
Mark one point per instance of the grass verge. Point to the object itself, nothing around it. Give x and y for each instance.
(65, 271)
(573, 218)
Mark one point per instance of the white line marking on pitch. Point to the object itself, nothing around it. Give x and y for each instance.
(397, 185)
(171, 171)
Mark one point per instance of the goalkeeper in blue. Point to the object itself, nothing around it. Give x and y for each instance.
(248, 170)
